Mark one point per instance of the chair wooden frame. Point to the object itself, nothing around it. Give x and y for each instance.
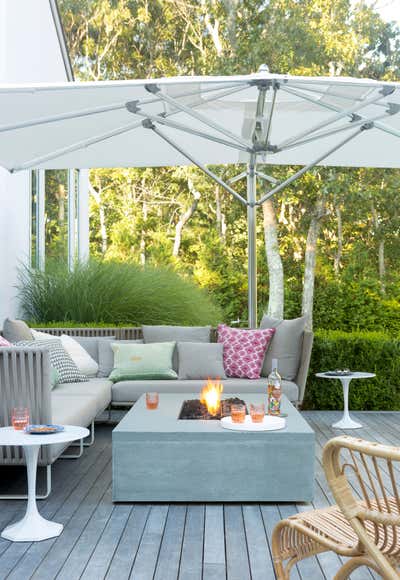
(364, 525)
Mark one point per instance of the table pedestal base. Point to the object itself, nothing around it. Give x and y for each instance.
(347, 423)
(32, 528)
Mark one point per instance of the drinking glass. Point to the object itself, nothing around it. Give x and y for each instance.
(238, 413)
(257, 413)
(152, 400)
(20, 418)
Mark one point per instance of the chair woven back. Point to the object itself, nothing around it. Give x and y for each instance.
(364, 477)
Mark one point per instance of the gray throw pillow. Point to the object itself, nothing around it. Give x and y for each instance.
(200, 360)
(60, 360)
(285, 346)
(106, 354)
(16, 330)
(166, 333)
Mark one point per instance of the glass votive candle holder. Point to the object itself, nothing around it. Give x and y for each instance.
(238, 413)
(152, 401)
(257, 413)
(20, 418)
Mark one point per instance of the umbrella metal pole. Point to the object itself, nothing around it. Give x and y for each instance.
(252, 242)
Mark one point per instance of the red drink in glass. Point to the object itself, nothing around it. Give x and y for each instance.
(238, 413)
(152, 401)
(20, 418)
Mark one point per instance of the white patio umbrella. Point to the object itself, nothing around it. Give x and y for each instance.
(255, 119)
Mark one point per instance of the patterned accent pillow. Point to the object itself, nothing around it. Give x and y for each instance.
(4, 342)
(244, 350)
(60, 360)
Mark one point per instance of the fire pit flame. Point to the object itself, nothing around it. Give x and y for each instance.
(211, 396)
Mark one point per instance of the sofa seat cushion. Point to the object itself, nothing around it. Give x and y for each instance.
(99, 389)
(130, 391)
(76, 410)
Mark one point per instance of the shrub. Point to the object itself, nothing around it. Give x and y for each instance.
(375, 352)
(115, 293)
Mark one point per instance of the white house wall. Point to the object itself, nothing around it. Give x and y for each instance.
(29, 52)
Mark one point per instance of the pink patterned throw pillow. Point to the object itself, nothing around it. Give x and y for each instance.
(244, 350)
(4, 342)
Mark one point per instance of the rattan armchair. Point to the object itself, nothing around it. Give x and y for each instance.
(364, 526)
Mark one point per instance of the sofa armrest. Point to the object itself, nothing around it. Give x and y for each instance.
(24, 381)
(302, 373)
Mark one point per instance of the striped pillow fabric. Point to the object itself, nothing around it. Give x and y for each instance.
(60, 360)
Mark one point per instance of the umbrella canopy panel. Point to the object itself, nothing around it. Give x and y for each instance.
(90, 125)
(254, 119)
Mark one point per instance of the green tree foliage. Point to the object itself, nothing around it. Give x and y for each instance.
(137, 214)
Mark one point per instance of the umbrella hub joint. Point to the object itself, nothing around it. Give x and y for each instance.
(367, 126)
(148, 124)
(387, 90)
(393, 108)
(132, 106)
(152, 88)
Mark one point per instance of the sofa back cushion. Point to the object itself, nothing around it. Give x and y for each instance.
(285, 346)
(244, 350)
(199, 360)
(106, 354)
(166, 333)
(142, 361)
(16, 330)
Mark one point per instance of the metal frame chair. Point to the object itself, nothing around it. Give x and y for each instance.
(364, 525)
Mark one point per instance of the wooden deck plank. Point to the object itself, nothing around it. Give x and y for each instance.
(161, 542)
(70, 484)
(192, 547)
(237, 561)
(261, 567)
(171, 545)
(124, 556)
(149, 548)
(214, 561)
(79, 557)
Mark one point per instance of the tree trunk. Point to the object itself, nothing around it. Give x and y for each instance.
(381, 265)
(102, 219)
(338, 257)
(220, 216)
(185, 217)
(274, 261)
(310, 260)
(142, 245)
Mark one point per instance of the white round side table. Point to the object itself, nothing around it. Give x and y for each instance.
(33, 527)
(346, 422)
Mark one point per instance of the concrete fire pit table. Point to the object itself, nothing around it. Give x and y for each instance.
(160, 458)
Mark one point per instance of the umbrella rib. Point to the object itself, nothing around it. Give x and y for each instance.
(309, 166)
(340, 113)
(202, 118)
(148, 124)
(334, 131)
(95, 111)
(332, 94)
(104, 136)
(180, 127)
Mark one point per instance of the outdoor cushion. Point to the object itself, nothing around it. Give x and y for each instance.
(130, 391)
(166, 333)
(139, 361)
(4, 342)
(200, 360)
(106, 354)
(16, 330)
(59, 359)
(244, 350)
(69, 410)
(100, 389)
(85, 363)
(91, 344)
(285, 346)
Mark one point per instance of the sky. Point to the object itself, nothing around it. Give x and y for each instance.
(388, 9)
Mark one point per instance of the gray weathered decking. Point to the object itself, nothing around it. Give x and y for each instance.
(164, 542)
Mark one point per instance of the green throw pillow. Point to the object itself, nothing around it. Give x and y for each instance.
(143, 361)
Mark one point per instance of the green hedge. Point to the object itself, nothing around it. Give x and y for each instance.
(374, 352)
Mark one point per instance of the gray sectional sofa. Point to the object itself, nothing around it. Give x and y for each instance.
(25, 379)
